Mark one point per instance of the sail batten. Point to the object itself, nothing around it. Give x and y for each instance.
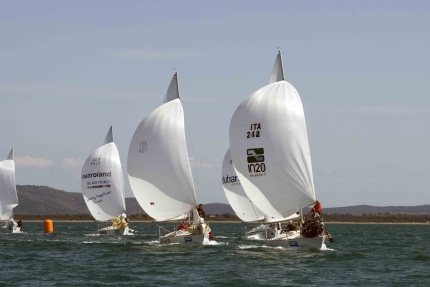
(158, 165)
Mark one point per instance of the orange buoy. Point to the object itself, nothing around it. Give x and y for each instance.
(48, 226)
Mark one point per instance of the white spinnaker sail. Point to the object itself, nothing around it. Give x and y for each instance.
(158, 165)
(235, 194)
(102, 181)
(8, 195)
(270, 150)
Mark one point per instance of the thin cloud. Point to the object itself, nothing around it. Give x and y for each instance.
(28, 161)
(72, 163)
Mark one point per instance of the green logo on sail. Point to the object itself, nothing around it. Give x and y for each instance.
(256, 165)
(255, 155)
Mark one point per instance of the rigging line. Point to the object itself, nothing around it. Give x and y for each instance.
(255, 212)
(160, 227)
(196, 180)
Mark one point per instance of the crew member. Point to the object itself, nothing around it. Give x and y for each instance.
(316, 209)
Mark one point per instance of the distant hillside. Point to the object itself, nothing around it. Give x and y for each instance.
(217, 208)
(367, 209)
(44, 200)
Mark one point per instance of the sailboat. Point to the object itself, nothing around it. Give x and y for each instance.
(102, 186)
(241, 204)
(160, 173)
(244, 208)
(270, 150)
(8, 196)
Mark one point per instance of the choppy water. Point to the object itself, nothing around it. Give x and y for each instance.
(362, 255)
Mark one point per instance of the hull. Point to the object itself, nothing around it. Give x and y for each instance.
(192, 235)
(186, 237)
(261, 232)
(295, 240)
(116, 231)
(10, 227)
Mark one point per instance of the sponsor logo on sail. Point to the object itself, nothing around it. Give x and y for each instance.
(255, 155)
(255, 159)
(233, 179)
(99, 197)
(96, 174)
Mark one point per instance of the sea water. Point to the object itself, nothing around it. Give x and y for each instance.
(74, 255)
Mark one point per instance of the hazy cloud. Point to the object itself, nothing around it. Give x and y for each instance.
(28, 161)
(72, 163)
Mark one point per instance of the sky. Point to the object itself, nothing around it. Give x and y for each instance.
(70, 69)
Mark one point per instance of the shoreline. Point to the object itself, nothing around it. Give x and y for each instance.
(230, 222)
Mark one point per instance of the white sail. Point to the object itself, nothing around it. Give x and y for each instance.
(158, 164)
(8, 195)
(102, 181)
(270, 149)
(235, 194)
(277, 71)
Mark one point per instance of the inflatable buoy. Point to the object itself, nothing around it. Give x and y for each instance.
(48, 226)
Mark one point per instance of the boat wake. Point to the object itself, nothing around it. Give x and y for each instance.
(214, 242)
(243, 247)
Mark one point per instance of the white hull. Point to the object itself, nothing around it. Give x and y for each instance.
(192, 235)
(109, 230)
(261, 232)
(183, 237)
(10, 227)
(295, 240)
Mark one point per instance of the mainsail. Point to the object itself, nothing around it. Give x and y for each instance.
(236, 196)
(270, 149)
(102, 181)
(158, 165)
(8, 195)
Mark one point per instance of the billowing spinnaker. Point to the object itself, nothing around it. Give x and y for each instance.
(8, 195)
(102, 183)
(270, 150)
(158, 165)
